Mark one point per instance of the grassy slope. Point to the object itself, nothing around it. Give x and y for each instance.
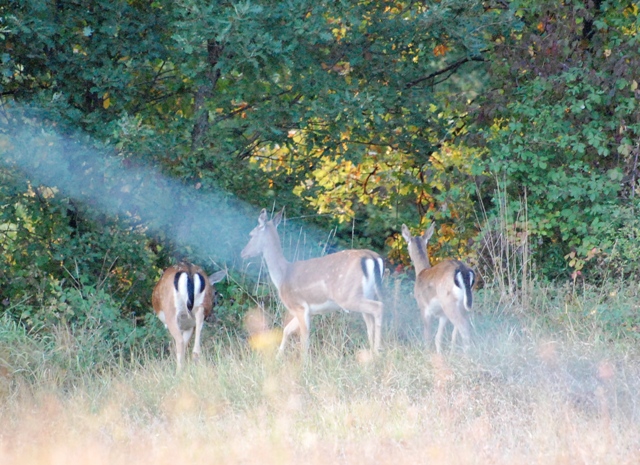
(547, 386)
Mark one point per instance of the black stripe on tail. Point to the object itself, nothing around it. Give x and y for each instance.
(464, 278)
(190, 288)
(378, 270)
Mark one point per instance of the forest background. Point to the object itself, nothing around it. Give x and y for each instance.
(137, 133)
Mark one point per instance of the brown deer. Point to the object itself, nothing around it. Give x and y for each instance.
(443, 291)
(349, 280)
(182, 299)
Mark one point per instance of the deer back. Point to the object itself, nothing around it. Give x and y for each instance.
(337, 277)
(449, 282)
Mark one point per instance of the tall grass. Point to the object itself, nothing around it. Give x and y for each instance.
(553, 377)
(528, 392)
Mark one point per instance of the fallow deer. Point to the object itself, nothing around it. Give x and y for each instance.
(349, 280)
(182, 299)
(443, 291)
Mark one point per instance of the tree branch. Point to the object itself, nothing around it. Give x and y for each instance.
(451, 67)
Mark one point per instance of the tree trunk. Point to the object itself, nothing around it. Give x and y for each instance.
(203, 93)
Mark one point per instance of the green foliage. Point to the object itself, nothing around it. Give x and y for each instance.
(205, 85)
(563, 124)
(620, 262)
(362, 114)
(231, 304)
(385, 117)
(49, 241)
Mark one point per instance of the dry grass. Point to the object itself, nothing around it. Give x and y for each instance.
(520, 397)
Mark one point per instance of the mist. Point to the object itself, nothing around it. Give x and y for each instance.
(210, 225)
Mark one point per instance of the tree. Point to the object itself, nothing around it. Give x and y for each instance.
(561, 124)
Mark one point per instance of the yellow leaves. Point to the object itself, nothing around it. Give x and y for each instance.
(338, 184)
(106, 101)
(303, 186)
(342, 67)
(395, 9)
(446, 233)
(577, 262)
(339, 33)
(573, 261)
(631, 10)
(457, 156)
(334, 182)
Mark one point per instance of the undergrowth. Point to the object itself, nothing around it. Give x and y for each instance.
(533, 389)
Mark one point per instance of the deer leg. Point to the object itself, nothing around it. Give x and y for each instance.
(454, 335)
(370, 322)
(441, 325)
(180, 353)
(427, 318)
(305, 327)
(378, 327)
(374, 310)
(199, 325)
(460, 322)
(177, 337)
(186, 336)
(290, 328)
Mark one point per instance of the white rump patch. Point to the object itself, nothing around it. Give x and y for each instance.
(180, 296)
(182, 288)
(459, 279)
(198, 285)
(381, 263)
(369, 280)
(462, 286)
(459, 288)
(458, 292)
(198, 290)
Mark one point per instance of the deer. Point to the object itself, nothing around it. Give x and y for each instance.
(182, 299)
(349, 280)
(443, 291)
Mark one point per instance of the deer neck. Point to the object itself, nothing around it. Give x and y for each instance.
(421, 261)
(277, 264)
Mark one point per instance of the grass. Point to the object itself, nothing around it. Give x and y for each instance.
(545, 384)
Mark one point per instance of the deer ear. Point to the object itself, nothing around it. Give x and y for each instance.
(217, 277)
(428, 233)
(262, 219)
(278, 217)
(406, 233)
